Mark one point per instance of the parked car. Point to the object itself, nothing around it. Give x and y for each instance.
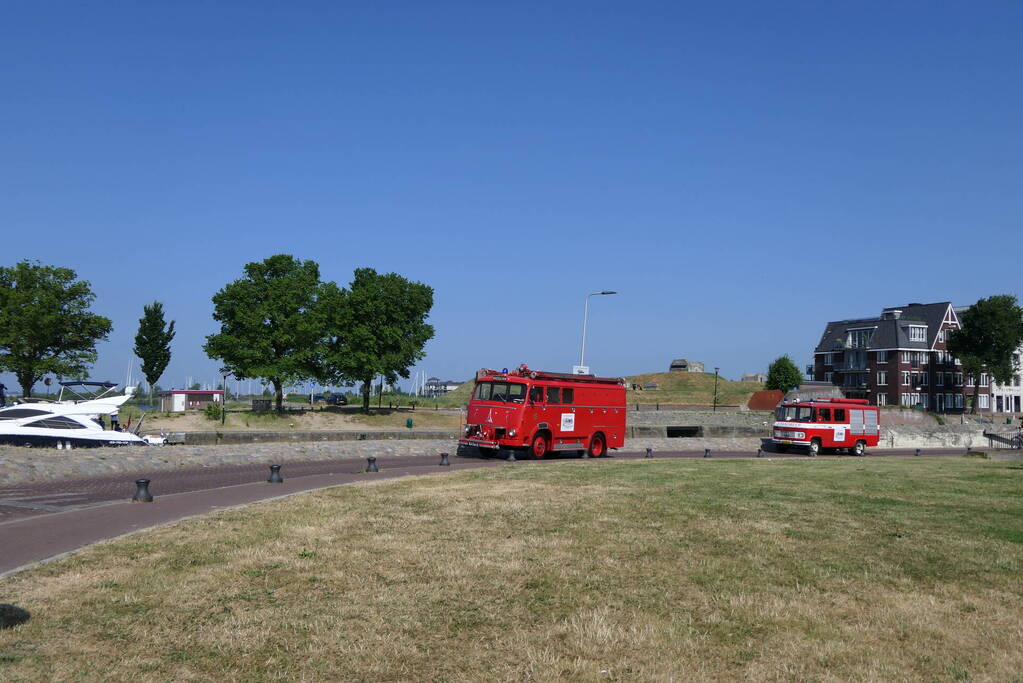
(332, 399)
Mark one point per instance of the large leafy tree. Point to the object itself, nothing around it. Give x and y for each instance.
(992, 330)
(152, 343)
(783, 375)
(269, 323)
(45, 323)
(375, 327)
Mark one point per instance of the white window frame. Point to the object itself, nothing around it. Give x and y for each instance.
(882, 356)
(984, 401)
(882, 378)
(939, 379)
(918, 333)
(882, 399)
(905, 378)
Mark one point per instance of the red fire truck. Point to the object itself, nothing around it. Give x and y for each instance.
(540, 412)
(839, 423)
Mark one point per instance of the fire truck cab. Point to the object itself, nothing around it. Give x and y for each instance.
(539, 412)
(838, 423)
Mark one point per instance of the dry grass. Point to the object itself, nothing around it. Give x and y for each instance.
(825, 569)
(690, 388)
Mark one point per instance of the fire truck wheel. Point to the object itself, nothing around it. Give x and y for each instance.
(815, 447)
(860, 448)
(539, 447)
(596, 448)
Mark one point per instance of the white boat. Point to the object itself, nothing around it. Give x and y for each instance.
(65, 423)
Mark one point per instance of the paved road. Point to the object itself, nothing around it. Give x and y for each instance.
(42, 520)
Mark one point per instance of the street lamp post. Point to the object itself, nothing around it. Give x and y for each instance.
(716, 389)
(581, 368)
(225, 373)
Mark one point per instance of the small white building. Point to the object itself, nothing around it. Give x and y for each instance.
(180, 400)
(1008, 398)
(436, 387)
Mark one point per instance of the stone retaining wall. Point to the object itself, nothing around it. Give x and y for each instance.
(311, 436)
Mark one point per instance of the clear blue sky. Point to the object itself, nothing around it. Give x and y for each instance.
(740, 172)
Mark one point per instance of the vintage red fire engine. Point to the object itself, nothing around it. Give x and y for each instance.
(540, 412)
(837, 423)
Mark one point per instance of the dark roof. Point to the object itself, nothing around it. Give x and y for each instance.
(889, 332)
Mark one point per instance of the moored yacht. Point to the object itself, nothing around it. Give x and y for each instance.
(65, 424)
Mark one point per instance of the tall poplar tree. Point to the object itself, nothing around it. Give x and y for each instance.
(152, 343)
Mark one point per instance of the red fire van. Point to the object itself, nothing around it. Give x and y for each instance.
(541, 412)
(837, 423)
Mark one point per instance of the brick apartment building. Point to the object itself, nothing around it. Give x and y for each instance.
(899, 358)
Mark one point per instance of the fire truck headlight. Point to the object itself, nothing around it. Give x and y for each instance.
(800, 435)
(512, 432)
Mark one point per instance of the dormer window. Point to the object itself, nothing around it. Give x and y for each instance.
(859, 339)
(917, 333)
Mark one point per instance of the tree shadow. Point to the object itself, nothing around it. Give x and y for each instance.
(12, 615)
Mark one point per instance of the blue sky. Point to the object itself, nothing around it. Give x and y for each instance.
(740, 172)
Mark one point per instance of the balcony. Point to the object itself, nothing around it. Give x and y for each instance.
(854, 366)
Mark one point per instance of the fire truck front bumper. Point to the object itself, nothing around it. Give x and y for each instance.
(478, 443)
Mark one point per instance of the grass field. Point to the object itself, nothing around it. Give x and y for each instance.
(823, 569)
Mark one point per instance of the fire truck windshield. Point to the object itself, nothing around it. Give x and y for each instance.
(794, 414)
(508, 392)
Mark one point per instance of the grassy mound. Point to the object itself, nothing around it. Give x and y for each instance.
(830, 569)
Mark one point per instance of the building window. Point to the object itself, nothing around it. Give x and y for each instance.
(984, 401)
(828, 376)
(882, 378)
(882, 399)
(917, 333)
(905, 400)
(882, 356)
(959, 400)
(905, 356)
(984, 379)
(905, 378)
(959, 379)
(829, 359)
(923, 400)
(941, 335)
(939, 379)
(859, 339)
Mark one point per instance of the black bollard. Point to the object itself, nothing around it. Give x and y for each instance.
(275, 475)
(444, 460)
(649, 452)
(371, 465)
(918, 452)
(511, 457)
(760, 453)
(706, 452)
(142, 494)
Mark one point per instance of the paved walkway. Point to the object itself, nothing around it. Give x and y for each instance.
(44, 520)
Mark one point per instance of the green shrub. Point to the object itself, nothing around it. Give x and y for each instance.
(212, 411)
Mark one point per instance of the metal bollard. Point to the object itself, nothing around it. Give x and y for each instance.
(371, 464)
(275, 475)
(649, 452)
(511, 457)
(760, 453)
(444, 460)
(918, 452)
(142, 494)
(706, 452)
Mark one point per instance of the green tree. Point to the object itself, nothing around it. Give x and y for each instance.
(45, 323)
(152, 343)
(375, 327)
(269, 327)
(991, 331)
(783, 374)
